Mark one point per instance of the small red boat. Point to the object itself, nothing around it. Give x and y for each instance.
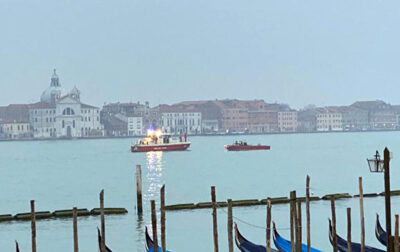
(158, 141)
(243, 146)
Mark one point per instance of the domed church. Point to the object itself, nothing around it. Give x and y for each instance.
(60, 115)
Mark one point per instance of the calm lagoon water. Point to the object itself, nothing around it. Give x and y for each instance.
(63, 174)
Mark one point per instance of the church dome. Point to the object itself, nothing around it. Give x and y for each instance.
(52, 93)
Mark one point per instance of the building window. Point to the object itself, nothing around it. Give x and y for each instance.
(73, 123)
(68, 111)
(63, 124)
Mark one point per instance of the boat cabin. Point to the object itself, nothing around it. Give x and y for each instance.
(241, 143)
(158, 138)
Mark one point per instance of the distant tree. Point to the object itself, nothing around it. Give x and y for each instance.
(310, 107)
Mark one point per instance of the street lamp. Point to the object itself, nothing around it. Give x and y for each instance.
(378, 165)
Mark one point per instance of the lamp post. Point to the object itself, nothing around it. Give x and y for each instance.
(378, 165)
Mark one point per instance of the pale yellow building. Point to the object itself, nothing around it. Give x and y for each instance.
(14, 129)
(287, 121)
(329, 119)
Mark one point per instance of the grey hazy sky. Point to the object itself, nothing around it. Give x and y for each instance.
(297, 52)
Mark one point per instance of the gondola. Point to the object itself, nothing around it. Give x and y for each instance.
(380, 233)
(16, 246)
(342, 243)
(284, 245)
(150, 243)
(100, 239)
(246, 246)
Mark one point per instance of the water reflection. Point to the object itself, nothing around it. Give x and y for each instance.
(151, 191)
(140, 233)
(154, 175)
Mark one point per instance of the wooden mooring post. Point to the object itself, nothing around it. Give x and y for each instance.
(362, 215)
(16, 246)
(308, 214)
(388, 215)
(103, 224)
(297, 227)
(33, 225)
(348, 229)
(139, 189)
(230, 226)
(299, 223)
(292, 220)
(162, 207)
(75, 228)
(214, 214)
(154, 224)
(269, 217)
(335, 247)
(391, 243)
(396, 234)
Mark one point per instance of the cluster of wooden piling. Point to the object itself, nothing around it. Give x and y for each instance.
(295, 214)
(296, 222)
(74, 213)
(65, 213)
(393, 242)
(276, 200)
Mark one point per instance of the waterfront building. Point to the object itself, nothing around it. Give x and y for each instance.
(114, 126)
(263, 121)
(60, 115)
(287, 121)
(14, 129)
(210, 114)
(381, 115)
(115, 118)
(209, 126)
(177, 121)
(252, 116)
(135, 126)
(150, 116)
(383, 119)
(14, 122)
(237, 114)
(307, 120)
(329, 119)
(235, 119)
(355, 118)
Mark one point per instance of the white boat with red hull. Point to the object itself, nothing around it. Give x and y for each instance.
(158, 141)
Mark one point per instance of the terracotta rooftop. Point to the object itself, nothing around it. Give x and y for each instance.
(15, 113)
(88, 106)
(42, 105)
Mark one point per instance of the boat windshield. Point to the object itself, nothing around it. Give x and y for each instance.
(241, 143)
